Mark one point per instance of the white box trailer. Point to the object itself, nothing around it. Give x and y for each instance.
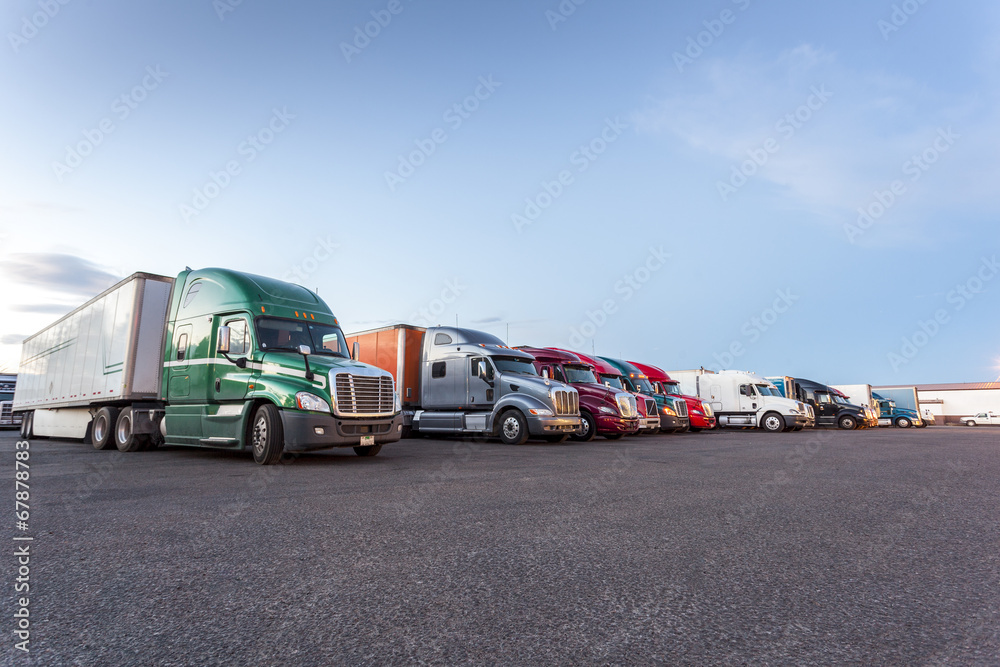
(858, 394)
(110, 349)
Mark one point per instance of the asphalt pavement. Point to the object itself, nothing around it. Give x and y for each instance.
(828, 547)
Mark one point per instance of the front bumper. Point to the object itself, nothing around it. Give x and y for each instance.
(306, 431)
(649, 424)
(672, 423)
(701, 421)
(570, 425)
(796, 420)
(607, 424)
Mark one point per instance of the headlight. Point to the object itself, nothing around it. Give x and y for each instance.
(311, 402)
(541, 413)
(696, 411)
(608, 411)
(667, 410)
(795, 412)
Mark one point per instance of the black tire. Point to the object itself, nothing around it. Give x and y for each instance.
(102, 433)
(615, 436)
(903, 422)
(267, 439)
(695, 429)
(848, 423)
(556, 439)
(772, 422)
(798, 428)
(369, 450)
(590, 426)
(513, 428)
(26, 422)
(126, 439)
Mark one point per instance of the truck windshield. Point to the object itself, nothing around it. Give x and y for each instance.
(510, 365)
(643, 386)
(579, 375)
(613, 381)
(840, 399)
(765, 390)
(278, 334)
(672, 388)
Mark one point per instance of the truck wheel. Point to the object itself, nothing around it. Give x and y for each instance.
(370, 450)
(513, 428)
(772, 422)
(26, 420)
(266, 436)
(968, 423)
(903, 422)
(589, 427)
(125, 439)
(848, 423)
(695, 429)
(556, 439)
(102, 433)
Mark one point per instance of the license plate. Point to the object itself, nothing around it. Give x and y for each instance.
(367, 440)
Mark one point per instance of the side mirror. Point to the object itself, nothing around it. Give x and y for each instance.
(545, 373)
(356, 351)
(305, 350)
(224, 336)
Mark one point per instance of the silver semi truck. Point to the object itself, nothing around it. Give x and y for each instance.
(462, 381)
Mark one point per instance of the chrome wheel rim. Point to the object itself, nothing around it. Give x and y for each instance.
(511, 428)
(259, 436)
(124, 429)
(772, 423)
(100, 428)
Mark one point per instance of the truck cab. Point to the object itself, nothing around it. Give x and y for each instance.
(742, 399)
(672, 413)
(832, 406)
(604, 411)
(700, 415)
(611, 376)
(465, 382)
(889, 414)
(789, 388)
(7, 417)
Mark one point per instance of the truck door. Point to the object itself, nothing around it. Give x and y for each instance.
(826, 409)
(749, 401)
(482, 383)
(183, 413)
(228, 383)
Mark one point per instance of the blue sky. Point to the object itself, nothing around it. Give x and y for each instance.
(605, 182)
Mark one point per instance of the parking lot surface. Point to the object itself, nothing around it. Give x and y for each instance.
(828, 547)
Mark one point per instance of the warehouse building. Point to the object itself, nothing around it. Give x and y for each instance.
(949, 402)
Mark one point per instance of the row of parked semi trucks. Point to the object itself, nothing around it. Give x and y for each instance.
(222, 359)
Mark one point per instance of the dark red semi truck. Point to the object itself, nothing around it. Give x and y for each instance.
(700, 413)
(605, 411)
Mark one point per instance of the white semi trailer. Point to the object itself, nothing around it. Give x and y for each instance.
(107, 351)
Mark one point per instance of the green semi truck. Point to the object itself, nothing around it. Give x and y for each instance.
(214, 358)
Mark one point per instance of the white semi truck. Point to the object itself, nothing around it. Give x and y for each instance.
(742, 399)
(7, 417)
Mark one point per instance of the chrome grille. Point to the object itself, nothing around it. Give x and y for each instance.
(5, 413)
(567, 403)
(364, 394)
(681, 407)
(651, 409)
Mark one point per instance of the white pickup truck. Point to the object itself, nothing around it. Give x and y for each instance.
(982, 419)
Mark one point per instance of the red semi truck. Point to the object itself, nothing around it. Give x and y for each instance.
(604, 410)
(700, 413)
(649, 416)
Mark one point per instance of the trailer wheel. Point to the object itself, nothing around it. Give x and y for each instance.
(589, 428)
(772, 422)
(903, 422)
(125, 437)
(513, 428)
(848, 423)
(102, 434)
(26, 420)
(370, 450)
(266, 435)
